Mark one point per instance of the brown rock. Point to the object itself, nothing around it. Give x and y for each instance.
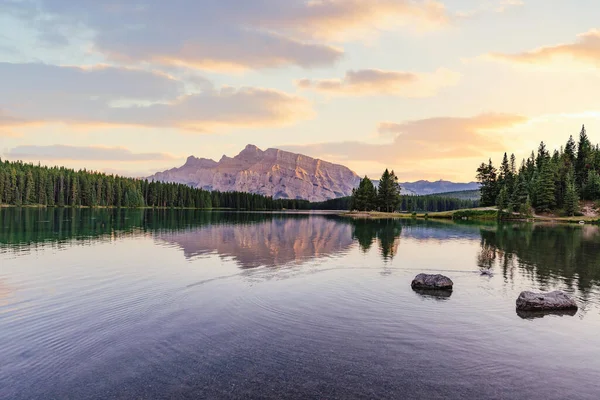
(557, 300)
(434, 282)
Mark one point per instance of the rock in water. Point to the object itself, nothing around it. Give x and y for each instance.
(557, 300)
(435, 282)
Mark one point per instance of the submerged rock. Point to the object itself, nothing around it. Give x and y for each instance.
(557, 300)
(435, 282)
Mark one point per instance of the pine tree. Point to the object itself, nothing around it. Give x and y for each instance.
(486, 176)
(592, 187)
(502, 201)
(545, 198)
(364, 197)
(75, 201)
(571, 200)
(29, 189)
(570, 151)
(520, 193)
(584, 148)
(389, 191)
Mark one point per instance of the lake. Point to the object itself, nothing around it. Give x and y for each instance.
(124, 304)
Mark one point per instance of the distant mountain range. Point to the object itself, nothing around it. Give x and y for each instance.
(441, 186)
(286, 175)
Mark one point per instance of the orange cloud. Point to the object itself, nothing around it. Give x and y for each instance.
(490, 7)
(252, 51)
(376, 82)
(585, 49)
(334, 18)
(419, 141)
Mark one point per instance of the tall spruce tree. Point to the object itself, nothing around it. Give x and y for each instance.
(592, 186)
(584, 148)
(487, 178)
(571, 201)
(364, 198)
(545, 198)
(570, 151)
(388, 193)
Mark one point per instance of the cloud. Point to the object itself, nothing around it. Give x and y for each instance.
(334, 18)
(377, 82)
(490, 7)
(505, 5)
(585, 49)
(425, 140)
(226, 34)
(37, 93)
(86, 153)
(24, 82)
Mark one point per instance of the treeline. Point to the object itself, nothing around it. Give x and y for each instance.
(435, 203)
(27, 184)
(545, 181)
(409, 203)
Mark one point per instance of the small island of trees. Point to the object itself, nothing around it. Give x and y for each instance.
(385, 198)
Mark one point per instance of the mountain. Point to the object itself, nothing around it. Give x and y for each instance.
(421, 188)
(271, 172)
(426, 187)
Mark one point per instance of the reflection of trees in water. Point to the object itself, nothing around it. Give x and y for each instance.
(27, 226)
(385, 231)
(546, 254)
(486, 257)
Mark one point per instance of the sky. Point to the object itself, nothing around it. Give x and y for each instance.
(429, 88)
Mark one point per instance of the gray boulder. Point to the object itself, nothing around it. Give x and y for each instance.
(432, 282)
(557, 300)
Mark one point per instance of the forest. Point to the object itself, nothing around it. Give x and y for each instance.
(23, 184)
(544, 182)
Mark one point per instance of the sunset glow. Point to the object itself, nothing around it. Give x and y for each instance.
(427, 88)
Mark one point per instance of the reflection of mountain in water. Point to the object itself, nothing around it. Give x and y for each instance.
(275, 241)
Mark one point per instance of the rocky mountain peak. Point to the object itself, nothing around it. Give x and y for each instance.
(274, 172)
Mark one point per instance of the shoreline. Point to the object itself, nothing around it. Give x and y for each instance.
(481, 214)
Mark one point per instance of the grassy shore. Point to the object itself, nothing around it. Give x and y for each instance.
(473, 214)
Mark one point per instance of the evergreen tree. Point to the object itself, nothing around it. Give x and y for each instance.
(545, 198)
(570, 151)
(29, 189)
(487, 178)
(520, 193)
(592, 187)
(502, 200)
(584, 148)
(388, 193)
(571, 201)
(364, 197)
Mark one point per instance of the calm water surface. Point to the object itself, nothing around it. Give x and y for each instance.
(110, 304)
